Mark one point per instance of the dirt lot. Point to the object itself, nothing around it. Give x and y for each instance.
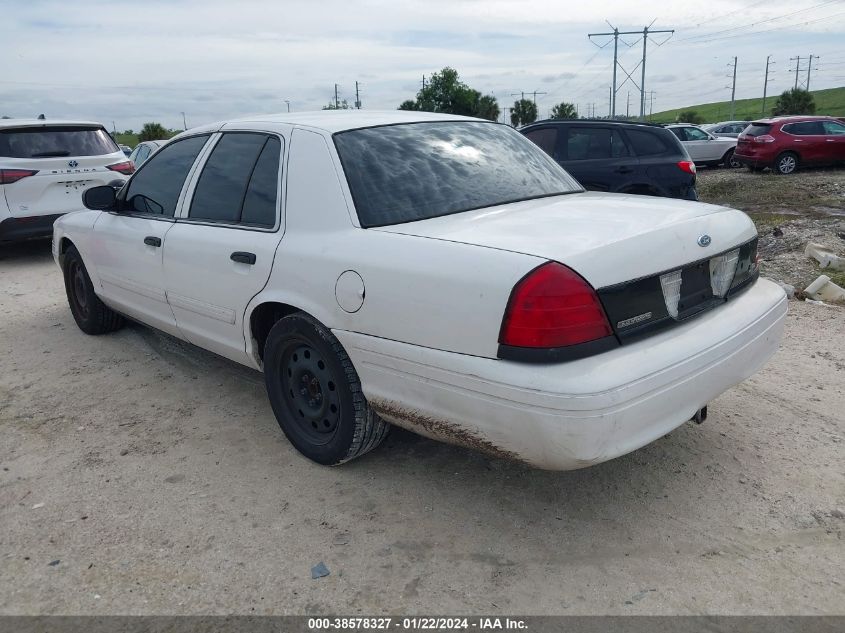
(141, 475)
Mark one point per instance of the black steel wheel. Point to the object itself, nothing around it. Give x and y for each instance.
(91, 315)
(316, 394)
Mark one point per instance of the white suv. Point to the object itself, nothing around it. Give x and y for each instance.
(44, 168)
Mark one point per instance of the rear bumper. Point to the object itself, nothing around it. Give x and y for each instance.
(19, 229)
(571, 415)
(750, 160)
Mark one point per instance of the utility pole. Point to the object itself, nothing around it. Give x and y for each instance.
(651, 103)
(288, 104)
(766, 84)
(615, 34)
(733, 91)
(628, 106)
(520, 94)
(184, 123)
(610, 104)
(535, 93)
(336, 103)
(797, 61)
(357, 97)
(809, 67)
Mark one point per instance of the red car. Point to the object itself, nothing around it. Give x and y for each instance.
(784, 143)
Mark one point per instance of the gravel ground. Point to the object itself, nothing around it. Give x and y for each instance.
(139, 475)
(789, 211)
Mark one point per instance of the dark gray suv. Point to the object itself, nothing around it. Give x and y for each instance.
(620, 157)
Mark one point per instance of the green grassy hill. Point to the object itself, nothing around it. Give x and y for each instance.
(830, 102)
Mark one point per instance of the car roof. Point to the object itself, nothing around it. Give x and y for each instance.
(340, 120)
(7, 123)
(723, 123)
(610, 121)
(793, 118)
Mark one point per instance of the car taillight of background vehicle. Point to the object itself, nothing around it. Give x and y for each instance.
(126, 168)
(764, 138)
(8, 176)
(687, 166)
(553, 307)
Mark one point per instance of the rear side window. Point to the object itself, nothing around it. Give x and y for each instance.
(238, 183)
(545, 138)
(156, 187)
(804, 128)
(758, 129)
(584, 143)
(679, 132)
(647, 143)
(56, 141)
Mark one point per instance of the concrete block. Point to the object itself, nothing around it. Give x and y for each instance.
(823, 289)
(824, 256)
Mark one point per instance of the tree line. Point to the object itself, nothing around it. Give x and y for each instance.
(446, 93)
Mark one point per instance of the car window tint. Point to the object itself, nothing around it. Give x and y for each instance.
(694, 134)
(758, 129)
(221, 188)
(545, 138)
(259, 207)
(584, 143)
(618, 147)
(804, 128)
(413, 171)
(143, 152)
(56, 141)
(679, 132)
(832, 127)
(646, 143)
(155, 188)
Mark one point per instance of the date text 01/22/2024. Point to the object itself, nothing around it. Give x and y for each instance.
(417, 623)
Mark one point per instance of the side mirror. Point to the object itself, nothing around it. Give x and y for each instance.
(102, 198)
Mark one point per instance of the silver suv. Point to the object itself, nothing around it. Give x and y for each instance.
(44, 168)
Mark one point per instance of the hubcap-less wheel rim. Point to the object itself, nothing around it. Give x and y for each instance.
(78, 293)
(311, 392)
(787, 165)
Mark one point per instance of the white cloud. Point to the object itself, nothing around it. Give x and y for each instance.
(131, 62)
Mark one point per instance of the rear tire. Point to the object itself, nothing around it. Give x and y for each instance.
(729, 160)
(316, 394)
(786, 163)
(91, 315)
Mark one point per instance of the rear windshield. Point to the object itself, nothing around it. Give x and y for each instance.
(50, 142)
(757, 129)
(414, 171)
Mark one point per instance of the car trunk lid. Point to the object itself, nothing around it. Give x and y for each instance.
(609, 239)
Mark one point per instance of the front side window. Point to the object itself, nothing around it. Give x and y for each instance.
(414, 171)
(56, 141)
(694, 134)
(832, 127)
(239, 181)
(155, 189)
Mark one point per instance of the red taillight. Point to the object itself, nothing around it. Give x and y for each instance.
(126, 168)
(764, 138)
(553, 307)
(687, 166)
(8, 176)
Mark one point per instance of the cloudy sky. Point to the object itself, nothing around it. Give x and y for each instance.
(149, 60)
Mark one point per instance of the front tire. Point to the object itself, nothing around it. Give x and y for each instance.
(786, 163)
(316, 394)
(91, 315)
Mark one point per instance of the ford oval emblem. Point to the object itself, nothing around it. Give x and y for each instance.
(704, 240)
(72, 164)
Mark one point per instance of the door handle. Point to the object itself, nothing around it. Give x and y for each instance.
(243, 258)
(152, 241)
(623, 170)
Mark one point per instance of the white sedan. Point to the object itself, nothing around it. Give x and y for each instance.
(435, 272)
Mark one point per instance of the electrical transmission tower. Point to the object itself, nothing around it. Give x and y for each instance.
(641, 87)
(733, 90)
(798, 68)
(766, 82)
